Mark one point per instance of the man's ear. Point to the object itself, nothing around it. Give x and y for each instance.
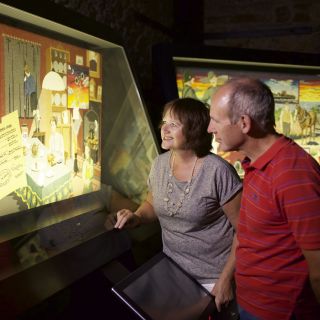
(245, 123)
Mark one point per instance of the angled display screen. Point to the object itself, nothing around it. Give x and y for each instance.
(75, 138)
(51, 98)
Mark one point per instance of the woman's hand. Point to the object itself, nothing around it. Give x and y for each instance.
(144, 214)
(126, 218)
(110, 221)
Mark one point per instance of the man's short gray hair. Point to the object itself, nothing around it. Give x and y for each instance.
(253, 98)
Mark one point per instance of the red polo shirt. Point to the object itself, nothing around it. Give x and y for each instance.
(279, 216)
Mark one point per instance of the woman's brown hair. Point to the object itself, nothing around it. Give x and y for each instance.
(194, 117)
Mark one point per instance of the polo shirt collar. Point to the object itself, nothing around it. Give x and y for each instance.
(266, 157)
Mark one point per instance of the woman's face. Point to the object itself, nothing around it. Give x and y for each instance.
(171, 132)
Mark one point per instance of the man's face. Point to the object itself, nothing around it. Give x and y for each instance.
(26, 68)
(228, 135)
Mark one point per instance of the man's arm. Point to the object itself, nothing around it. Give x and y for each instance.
(313, 260)
(223, 287)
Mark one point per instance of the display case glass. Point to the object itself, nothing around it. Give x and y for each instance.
(74, 131)
(294, 80)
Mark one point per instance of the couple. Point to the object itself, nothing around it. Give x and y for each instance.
(272, 240)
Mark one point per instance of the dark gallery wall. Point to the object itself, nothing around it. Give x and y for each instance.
(279, 25)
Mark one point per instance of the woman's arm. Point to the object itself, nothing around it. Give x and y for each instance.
(144, 214)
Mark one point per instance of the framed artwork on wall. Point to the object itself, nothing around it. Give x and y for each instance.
(294, 80)
(79, 60)
(93, 62)
(99, 93)
(296, 93)
(78, 87)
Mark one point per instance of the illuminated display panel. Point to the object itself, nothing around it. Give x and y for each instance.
(51, 116)
(293, 78)
(75, 138)
(296, 90)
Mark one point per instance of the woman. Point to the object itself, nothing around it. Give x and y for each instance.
(196, 197)
(56, 144)
(87, 170)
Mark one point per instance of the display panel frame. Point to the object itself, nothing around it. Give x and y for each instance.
(52, 40)
(37, 238)
(293, 77)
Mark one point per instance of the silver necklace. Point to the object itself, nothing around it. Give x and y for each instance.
(173, 206)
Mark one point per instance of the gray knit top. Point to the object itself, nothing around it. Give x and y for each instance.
(199, 235)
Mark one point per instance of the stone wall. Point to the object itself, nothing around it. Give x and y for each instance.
(281, 25)
(284, 25)
(139, 23)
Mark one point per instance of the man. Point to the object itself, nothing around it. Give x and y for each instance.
(278, 253)
(286, 120)
(30, 91)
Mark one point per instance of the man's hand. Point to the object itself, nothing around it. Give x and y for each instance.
(223, 293)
